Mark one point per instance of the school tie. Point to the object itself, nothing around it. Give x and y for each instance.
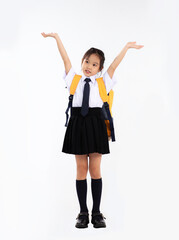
(85, 102)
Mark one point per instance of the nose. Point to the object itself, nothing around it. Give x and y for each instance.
(89, 67)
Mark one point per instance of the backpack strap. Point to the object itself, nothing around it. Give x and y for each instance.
(74, 83)
(73, 87)
(105, 98)
(110, 100)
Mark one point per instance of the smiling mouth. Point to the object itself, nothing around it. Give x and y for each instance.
(87, 71)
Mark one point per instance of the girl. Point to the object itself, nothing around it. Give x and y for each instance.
(86, 133)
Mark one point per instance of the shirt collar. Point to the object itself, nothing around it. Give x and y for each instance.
(93, 78)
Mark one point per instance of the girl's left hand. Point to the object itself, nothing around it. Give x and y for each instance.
(133, 45)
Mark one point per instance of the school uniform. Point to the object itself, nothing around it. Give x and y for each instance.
(87, 134)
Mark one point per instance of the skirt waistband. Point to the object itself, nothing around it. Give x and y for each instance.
(91, 111)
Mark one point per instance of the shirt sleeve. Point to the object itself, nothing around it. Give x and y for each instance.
(69, 77)
(109, 82)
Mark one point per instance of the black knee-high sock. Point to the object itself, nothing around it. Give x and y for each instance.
(81, 187)
(96, 189)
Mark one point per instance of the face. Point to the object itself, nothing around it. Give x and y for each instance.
(90, 65)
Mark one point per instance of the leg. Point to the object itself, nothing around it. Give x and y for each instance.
(82, 166)
(94, 165)
(96, 180)
(81, 183)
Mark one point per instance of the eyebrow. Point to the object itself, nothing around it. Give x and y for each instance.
(94, 62)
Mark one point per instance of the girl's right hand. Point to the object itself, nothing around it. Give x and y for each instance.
(54, 35)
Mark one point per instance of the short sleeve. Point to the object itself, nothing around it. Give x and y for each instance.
(109, 82)
(69, 77)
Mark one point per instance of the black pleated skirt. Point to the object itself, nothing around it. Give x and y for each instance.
(87, 134)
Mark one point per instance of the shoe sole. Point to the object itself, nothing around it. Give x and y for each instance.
(99, 226)
(77, 226)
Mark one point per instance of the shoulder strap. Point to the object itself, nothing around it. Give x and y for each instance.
(74, 84)
(110, 100)
(107, 99)
(102, 89)
(73, 87)
(103, 93)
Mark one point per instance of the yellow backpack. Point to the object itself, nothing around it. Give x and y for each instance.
(107, 103)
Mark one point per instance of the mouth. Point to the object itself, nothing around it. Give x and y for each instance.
(87, 71)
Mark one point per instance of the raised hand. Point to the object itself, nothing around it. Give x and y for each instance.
(54, 35)
(133, 45)
(61, 49)
(120, 56)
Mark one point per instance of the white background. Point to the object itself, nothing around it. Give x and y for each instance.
(38, 197)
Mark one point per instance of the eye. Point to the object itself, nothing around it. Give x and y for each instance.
(94, 65)
(86, 60)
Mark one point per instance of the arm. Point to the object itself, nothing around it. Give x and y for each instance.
(61, 49)
(64, 54)
(120, 56)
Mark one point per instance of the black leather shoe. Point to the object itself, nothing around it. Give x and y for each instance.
(82, 220)
(97, 219)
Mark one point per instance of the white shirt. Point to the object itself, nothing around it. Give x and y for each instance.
(94, 96)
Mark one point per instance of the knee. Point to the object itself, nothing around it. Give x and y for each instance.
(95, 172)
(82, 168)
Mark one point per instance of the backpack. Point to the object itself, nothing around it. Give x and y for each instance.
(106, 108)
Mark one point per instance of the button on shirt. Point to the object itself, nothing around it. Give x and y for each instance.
(94, 96)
